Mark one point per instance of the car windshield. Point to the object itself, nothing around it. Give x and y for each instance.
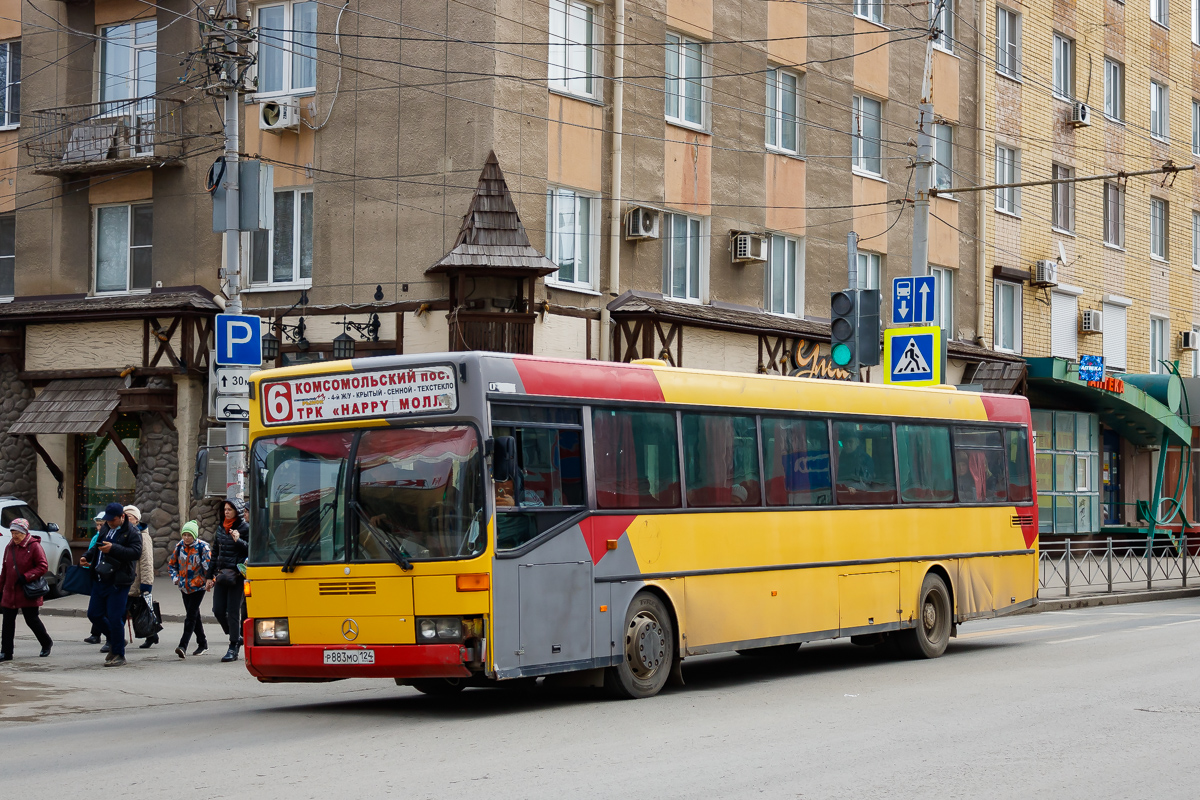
(420, 489)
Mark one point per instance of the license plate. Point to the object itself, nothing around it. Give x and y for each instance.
(350, 657)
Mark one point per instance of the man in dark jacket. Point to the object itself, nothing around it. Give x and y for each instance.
(229, 549)
(113, 560)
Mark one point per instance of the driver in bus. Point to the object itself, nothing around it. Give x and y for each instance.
(856, 469)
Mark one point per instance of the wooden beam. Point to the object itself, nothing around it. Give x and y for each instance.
(65, 374)
(110, 429)
(47, 460)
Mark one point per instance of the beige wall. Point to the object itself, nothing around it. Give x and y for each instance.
(84, 345)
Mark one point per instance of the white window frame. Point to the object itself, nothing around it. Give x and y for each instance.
(695, 285)
(290, 49)
(1159, 343)
(1195, 35)
(572, 63)
(998, 319)
(677, 47)
(10, 90)
(1159, 12)
(1064, 67)
(1114, 90)
(581, 241)
(943, 157)
(944, 17)
(1160, 111)
(129, 72)
(791, 297)
(1008, 42)
(870, 269)
(1196, 240)
(1062, 194)
(859, 142)
(870, 10)
(1071, 300)
(1196, 125)
(1195, 354)
(1111, 313)
(1008, 170)
(1160, 226)
(1113, 238)
(129, 247)
(776, 124)
(296, 281)
(943, 310)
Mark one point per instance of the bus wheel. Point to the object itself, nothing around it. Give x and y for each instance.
(932, 634)
(439, 687)
(649, 650)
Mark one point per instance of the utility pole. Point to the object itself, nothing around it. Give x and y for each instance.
(924, 162)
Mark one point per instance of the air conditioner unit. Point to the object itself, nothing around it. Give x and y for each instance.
(748, 247)
(1081, 114)
(1091, 321)
(1045, 273)
(641, 223)
(1191, 340)
(281, 114)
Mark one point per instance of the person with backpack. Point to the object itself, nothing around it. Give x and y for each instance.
(229, 549)
(144, 585)
(188, 565)
(23, 562)
(113, 561)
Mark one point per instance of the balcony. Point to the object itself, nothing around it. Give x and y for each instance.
(498, 332)
(104, 137)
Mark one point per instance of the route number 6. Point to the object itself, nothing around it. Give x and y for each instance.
(279, 402)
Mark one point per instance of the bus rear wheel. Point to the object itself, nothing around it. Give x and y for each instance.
(439, 687)
(648, 650)
(932, 633)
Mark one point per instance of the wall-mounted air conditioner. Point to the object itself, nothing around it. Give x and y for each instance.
(1091, 321)
(1045, 273)
(1081, 115)
(748, 247)
(1190, 340)
(280, 114)
(641, 223)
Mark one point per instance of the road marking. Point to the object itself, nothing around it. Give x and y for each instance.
(1167, 624)
(1009, 631)
(1075, 639)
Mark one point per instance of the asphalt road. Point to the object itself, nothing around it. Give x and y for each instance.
(1093, 703)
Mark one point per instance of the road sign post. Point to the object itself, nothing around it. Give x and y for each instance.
(914, 356)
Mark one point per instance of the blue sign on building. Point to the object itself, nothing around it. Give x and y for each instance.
(913, 300)
(1091, 368)
(239, 340)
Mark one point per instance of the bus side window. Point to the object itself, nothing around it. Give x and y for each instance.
(865, 470)
(796, 462)
(721, 456)
(979, 465)
(637, 459)
(549, 478)
(926, 471)
(1020, 486)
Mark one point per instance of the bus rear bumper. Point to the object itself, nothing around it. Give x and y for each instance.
(302, 662)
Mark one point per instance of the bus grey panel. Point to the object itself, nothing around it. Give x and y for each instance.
(500, 376)
(506, 604)
(603, 644)
(556, 612)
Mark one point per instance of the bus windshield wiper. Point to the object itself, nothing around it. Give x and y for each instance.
(305, 545)
(394, 551)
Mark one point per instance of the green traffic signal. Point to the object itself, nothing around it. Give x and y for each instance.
(840, 354)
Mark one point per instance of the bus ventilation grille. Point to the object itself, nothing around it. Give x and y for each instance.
(1019, 520)
(346, 587)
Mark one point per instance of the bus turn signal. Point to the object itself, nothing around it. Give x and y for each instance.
(473, 583)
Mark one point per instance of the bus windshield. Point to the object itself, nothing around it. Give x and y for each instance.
(411, 494)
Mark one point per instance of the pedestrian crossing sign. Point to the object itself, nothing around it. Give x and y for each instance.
(913, 356)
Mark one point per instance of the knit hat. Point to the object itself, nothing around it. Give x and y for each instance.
(134, 512)
(191, 527)
(19, 524)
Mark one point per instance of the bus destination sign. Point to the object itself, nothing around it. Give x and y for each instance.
(360, 395)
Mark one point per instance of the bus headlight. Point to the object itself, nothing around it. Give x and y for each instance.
(439, 629)
(271, 631)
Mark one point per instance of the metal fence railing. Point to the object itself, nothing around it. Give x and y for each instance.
(1117, 565)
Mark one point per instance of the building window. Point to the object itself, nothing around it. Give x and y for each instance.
(942, 12)
(1196, 125)
(785, 276)
(572, 236)
(943, 156)
(1008, 42)
(943, 312)
(1007, 334)
(1160, 331)
(783, 121)
(1196, 240)
(124, 247)
(285, 255)
(1067, 460)
(1158, 11)
(1158, 228)
(1064, 67)
(683, 257)
(127, 61)
(1115, 328)
(573, 47)
(1062, 198)
(8, 254)
(685, 80)
(1159, 110)
(287, 48)
(1114, 90)
(102, 475)
(1114, 215)
(1064, 325)
(869, 267)
(10, 84)
(1195, 354)
(1195, 32)
(869, 9)
(1008, 171)
(868, 135)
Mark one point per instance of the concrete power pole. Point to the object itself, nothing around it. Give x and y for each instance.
(235, 432)
(924, 162)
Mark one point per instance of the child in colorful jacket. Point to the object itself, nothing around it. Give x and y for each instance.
(188, 565)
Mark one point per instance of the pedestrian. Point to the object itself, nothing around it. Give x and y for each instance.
(97, 625)
(225, 580)
(189, 564)
(24, 561)
(144, 585)
(114, 567)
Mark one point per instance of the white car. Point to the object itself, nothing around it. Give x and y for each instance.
(58, 551)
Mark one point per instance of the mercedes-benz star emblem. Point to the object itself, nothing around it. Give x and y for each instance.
(349, 630)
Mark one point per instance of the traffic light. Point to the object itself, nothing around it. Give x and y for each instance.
(854, 328)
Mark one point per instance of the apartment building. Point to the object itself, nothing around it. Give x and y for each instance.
(450, 176)
(1104, 267)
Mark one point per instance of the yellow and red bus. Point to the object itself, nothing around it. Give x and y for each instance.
(469, 518)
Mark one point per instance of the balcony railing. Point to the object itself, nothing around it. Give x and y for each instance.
(498, 332)
(101, 137)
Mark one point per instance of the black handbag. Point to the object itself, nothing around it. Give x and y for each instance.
(228, 577)
(146, 620)
(37, 588)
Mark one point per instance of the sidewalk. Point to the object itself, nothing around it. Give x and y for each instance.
(168, 597)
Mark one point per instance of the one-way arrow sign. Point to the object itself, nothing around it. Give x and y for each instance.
(913, 300)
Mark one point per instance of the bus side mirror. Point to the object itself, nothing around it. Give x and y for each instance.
(200, 479)
(504, 458)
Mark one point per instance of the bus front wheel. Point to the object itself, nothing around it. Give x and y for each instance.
(932, 633)
(648, 650)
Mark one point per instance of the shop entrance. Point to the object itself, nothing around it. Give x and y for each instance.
(1111, 478)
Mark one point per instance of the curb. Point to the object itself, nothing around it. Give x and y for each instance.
(1115, 599)
(81, 612)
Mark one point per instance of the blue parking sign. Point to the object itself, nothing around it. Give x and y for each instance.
(239, 340)
(913, 356)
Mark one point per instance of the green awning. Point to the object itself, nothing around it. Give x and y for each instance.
(1131, 412)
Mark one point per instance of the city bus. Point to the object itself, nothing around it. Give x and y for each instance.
(466, 519)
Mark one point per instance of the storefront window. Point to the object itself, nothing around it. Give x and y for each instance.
(102, 475)
(1067, 464)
